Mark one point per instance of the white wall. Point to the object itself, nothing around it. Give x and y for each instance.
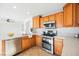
(6, 27)
(28, 25)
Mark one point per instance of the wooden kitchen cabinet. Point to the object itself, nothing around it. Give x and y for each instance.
(77, 14)
(71, 15)
(59, 19)
(38, 40)
(58, 46)
(68, 15)
(33, 40)
(46, 19)
(41, 22)
(52, 17)
(36, 22)
(26, 43)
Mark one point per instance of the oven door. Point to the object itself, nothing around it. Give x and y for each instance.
(46, 46)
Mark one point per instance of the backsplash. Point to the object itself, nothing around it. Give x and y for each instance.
(64, 32)
(69, 32)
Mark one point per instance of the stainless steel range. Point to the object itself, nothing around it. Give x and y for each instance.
(47, 44)
(48, 36)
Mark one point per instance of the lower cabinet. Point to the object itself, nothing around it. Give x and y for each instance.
(58, 46)
(38, 40)
(26, 43)
(33, 40)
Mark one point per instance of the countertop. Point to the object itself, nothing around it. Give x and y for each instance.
(6, 37)
(70, 46)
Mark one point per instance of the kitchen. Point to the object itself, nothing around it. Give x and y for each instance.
(29, 31)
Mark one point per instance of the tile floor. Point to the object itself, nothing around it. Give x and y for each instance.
(34, 51)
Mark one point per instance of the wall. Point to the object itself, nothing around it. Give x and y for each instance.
(28, 26)
(6, 27)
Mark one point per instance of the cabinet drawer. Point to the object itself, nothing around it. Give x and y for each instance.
(58, 43)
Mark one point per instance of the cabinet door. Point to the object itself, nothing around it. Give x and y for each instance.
(58, 46)
(46, 19)
(38, 41)
(36, 21)
(25, 43)
(33, 40)
(77, 15)
(68, 15)
(59, 19)
(51, 17)
(41, 22)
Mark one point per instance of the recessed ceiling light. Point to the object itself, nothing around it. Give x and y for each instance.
(14, 7)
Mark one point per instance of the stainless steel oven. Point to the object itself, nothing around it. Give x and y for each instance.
(47, 44)
(48, 36)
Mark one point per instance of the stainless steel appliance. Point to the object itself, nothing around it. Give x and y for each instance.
(50, 24)
(47, 44)
(48, 36)
(50, 32)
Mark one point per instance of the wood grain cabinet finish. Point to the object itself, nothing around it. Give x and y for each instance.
(59, 19)
(26, 43)
(71, 15)
(41, 22)
(52, 17)
(38, 40)
(68, 15)
(46, 19)
(36, 22)
(33, 40)
(77, 14)
(58, 46)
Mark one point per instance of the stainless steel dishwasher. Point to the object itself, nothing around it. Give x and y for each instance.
(10, 47)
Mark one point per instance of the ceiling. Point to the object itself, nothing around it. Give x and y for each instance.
(23, 11)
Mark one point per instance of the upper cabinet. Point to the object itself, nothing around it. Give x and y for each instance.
(41, 22)
(36, 22)
(71, 15)
(51, 17)
(46, 19)
(68, 15)
(59, 19)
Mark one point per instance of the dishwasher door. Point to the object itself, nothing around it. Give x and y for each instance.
(10, 47)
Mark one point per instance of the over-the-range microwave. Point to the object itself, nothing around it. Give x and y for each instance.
(50, 24)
